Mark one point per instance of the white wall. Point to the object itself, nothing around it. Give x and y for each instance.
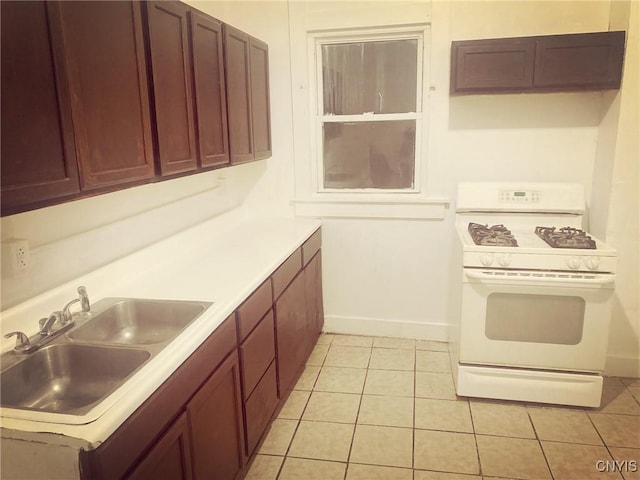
(390, 276)
(615, 215)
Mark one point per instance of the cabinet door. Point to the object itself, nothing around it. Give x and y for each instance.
(237, 54)
(580, 61)
(291, 333)
(495, 65)
(215, 420)
(313, 295)
(210, 91)
(260, 111)
(107, 74)
(38, 153)
(170, 457)
(172, 86)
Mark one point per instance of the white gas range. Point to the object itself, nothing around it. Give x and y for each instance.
(532, 303)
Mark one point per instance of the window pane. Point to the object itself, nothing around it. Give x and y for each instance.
(377, 77)
(369, 154)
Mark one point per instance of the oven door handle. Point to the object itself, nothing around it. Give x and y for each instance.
(520, 276)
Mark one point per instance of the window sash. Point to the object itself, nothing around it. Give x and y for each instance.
(321, 118)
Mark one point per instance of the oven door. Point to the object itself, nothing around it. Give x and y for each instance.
(547, 321)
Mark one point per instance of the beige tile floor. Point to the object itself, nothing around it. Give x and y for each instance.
(369, 408)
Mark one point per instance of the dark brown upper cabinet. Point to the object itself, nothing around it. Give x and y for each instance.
(106, 70)
(101, 95)
(75, 112)
(172, 86)
(504, 64)
(38, 152)
(260, 108)
(581, 62)
(555, 63)
(188, 86)
(210, 91)
(247, 77)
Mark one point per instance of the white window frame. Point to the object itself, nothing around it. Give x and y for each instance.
(318, 118)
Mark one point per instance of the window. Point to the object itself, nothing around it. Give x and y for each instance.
(369, 112)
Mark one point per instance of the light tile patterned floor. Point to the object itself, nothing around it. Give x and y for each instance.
(369, 408)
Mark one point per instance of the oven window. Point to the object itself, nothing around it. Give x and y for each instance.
(535, 318)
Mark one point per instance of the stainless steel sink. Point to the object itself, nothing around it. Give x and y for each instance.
(78, 370)
(139, 321)
(68, 378)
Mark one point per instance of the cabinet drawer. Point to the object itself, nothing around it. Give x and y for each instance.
(260, 407)
(253, 309)
(311, 246)
(285, 273)
(256, 353)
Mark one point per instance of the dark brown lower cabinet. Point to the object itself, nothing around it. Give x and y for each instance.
(206, 441)
(215, 420)
(206, 420)
(258, 367)
(313, 296)
(260, 406)
(170, 457)
(299, 315)
(291, 321)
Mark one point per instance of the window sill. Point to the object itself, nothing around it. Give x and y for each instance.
(353, 207)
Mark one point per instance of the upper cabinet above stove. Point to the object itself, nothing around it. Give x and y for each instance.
(554, 63)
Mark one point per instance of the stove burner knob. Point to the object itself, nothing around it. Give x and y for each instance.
(504, 260)
(592, 263)
(573, 263)
(486, 259)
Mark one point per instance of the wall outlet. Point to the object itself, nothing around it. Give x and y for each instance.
(16, 257)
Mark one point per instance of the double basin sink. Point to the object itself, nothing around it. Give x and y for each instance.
(83, 366)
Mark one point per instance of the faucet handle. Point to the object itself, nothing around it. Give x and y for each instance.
(22, 341)
(84, 299)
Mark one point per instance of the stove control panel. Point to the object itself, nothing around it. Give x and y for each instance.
(519, 196)
(552, 262)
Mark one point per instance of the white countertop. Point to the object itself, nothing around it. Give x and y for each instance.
(222, 260)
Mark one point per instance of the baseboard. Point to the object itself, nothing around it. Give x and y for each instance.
(377, 327)
(622, 366)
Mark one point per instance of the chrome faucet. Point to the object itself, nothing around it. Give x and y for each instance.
(50, 327)
(47, 323)
(23, 345)
(83, 298)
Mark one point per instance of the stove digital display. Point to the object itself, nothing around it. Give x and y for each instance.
(519, 196)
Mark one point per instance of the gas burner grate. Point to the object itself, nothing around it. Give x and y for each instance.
(566, 237)
(495, 235)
